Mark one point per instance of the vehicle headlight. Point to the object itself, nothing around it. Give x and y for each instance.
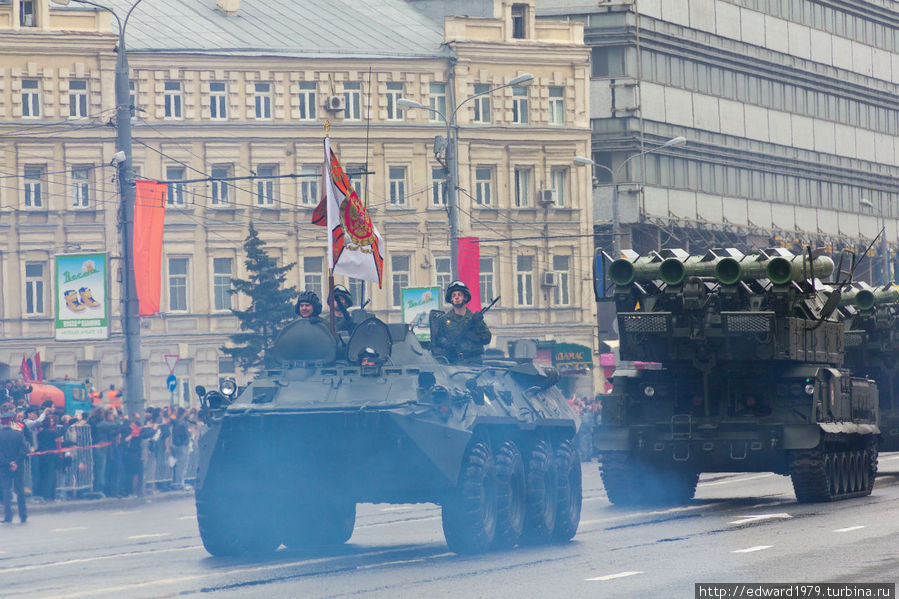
(649, 390)
(810, 389)
(229, 387)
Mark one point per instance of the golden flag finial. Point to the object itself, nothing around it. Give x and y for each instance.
(327, 126)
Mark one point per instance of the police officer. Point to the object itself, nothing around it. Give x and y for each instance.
(13, 449)
(343, 300)
(308, 305)
(461, 334)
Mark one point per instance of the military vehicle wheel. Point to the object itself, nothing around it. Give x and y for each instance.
(511, 496)
(568, 511)
(620, 478)
(542, 494)
(323, 522)
(630, 481)
(470, 514)
(234, 534)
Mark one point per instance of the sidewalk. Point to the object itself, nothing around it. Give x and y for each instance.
(107, 503)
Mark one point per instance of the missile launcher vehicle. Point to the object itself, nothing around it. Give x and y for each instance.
(373, 416)
(752, 377)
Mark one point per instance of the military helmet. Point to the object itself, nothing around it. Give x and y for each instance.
(341, 292)
(457, 286)
(309, 297)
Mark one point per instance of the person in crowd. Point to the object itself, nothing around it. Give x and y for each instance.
(13, 449)
(180, 446)
(48, 445)
(460, 334)
(114, 398)
(308, 305)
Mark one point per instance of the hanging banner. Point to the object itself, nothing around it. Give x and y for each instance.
(149, 218)
(82, 306)
(470, 270)
(417, 305)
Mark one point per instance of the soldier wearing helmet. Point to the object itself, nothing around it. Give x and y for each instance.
(308, 305)
(342, 300)
(460, 334)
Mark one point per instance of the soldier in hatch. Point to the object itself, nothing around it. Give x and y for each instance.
(308, 305)
(343, 300)
(460, 334)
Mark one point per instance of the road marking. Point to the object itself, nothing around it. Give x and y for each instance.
(404, 561)
(187, 518)
(849, 529)
(752, 549)
(99, 558)
(735, 480)
(123, 513)
(686, 508)
(69, 529)
(409, 521)
(149, 536)
(614, 576)
(759, 518)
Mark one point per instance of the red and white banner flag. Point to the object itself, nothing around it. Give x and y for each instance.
(355, 247)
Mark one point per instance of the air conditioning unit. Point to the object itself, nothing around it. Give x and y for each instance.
(550, 279)
(546, 197)
(335, 103)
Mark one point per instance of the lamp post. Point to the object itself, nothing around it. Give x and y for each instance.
(676, 142)
(133, 368)
(452, 161)
(884, 250)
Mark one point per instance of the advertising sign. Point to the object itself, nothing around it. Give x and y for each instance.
(571, 356)
(417, 304)
(82, 308)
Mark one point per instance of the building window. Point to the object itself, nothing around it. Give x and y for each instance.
(34, 180)
(486, 278)
(524, 280)
(397, 185)
(356, 288)
(438, 101)
(218, 100)
(355, 172)
(438, 186)
(265, 185)
(483, 182)
(310, 175)
(394, 93)
(27, 17)
(400, 267)
(221, 283)
(520, 105)
(220, 189)
(562, 268)
(443, 268)
(559, 177)
(312, 275)
(78, 98)
(81, 186)
(172, 95)
(522, 187)
(178, 284)
(352, 95)
(607, 61)
(519, 21)
(176, 191)
(34, 288)
(307, 100)
(31, 98)
(556, 105)
(227, 369)
(481, 103)
(263, 99)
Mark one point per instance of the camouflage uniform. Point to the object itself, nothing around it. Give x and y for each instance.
(461, 338)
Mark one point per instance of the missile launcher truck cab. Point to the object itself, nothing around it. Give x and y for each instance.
(752, 380)
(373, 416)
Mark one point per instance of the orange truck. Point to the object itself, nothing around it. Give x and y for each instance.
(68, 397)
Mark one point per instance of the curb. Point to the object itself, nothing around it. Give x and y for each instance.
(107, 503)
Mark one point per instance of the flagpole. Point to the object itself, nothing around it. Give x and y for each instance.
(328, 241)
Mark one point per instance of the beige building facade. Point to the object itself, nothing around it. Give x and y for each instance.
(202, 115)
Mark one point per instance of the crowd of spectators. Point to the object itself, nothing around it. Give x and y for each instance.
(125, 455)
(588, 409)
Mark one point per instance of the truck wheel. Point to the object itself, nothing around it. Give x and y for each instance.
(469, 514)
(321, 523)
(542, 494)
(511, 496)
(234, 534)
(568, 512)
(621, 478)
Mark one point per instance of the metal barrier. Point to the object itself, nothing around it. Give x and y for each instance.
(76, 471)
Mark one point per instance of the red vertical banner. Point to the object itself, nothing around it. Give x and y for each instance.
(470, 269)
(149, 218)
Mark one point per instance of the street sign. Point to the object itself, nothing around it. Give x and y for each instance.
(171, 360)
(171, 382)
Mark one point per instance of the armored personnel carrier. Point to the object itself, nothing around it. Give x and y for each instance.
(750, 378)
(373, 416)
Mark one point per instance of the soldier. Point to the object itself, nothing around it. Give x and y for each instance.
(343, 300)
(13, 449)
(461, 334)
(308, 305)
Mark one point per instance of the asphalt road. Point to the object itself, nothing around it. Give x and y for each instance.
(740, 528)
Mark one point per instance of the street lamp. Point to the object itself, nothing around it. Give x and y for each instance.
(134, 387)
(452, 161)
(884, 250)
(677, 142)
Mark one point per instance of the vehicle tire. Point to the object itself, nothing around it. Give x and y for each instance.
(321, 523)
(568, 509)
(469, 514)
(680, 485)
(621, 478)
(542, 494)
(230, 534)
(511, 496)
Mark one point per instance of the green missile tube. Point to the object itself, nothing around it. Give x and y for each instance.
(624, 272)
(782, 270)
(866, 297)
(730, 271)
(673, 271)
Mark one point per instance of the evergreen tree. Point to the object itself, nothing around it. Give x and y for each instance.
(270, 310)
